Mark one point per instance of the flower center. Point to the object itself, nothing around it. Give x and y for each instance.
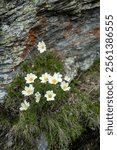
(46, 78)
(38, 97)
(54, 81)
(28, 91)
(30, 79)
(42, 46)
(25, 106)
(65, 86)
(50, 95)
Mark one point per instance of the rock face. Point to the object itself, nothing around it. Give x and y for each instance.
(42, 143)
(68, 26)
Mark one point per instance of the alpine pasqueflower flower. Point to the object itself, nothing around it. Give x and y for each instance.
(30, 78)
(37, 97)
(45, 77)
(55, 78)
(58, 76)
(65, 86)
(50, 95)
(24, 105)
(28, 90)
(41, 47)
(66, 78)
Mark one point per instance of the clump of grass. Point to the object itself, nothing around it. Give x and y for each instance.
(4, 129)
(25, 131)
(58, 120)
(89, 111)
(88, 93)
(62, 126)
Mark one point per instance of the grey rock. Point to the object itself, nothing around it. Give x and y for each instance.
(2, 95)
(42, 143)
(70, 27)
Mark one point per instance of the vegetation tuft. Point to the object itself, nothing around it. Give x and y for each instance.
(61, 121)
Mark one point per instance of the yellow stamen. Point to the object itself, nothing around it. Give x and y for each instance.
(64, 87)
(25, 106)
(54, 81)
(28, 91)
(46, 79)
(42, 46)
(50, 95)
(30, 79)
(38, 97)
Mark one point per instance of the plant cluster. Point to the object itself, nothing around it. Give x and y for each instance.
(44, 79)
(46, 108)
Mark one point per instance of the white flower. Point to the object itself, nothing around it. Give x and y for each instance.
(30, 78)
(58, 76)
(55, 78)
(44, 78)
(50, 95)
(66, 78)
(37, 96)
(41, 47)
(28, 90)
(24, 105)
(65, 86)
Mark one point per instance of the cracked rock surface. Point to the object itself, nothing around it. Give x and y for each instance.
(68, 26)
